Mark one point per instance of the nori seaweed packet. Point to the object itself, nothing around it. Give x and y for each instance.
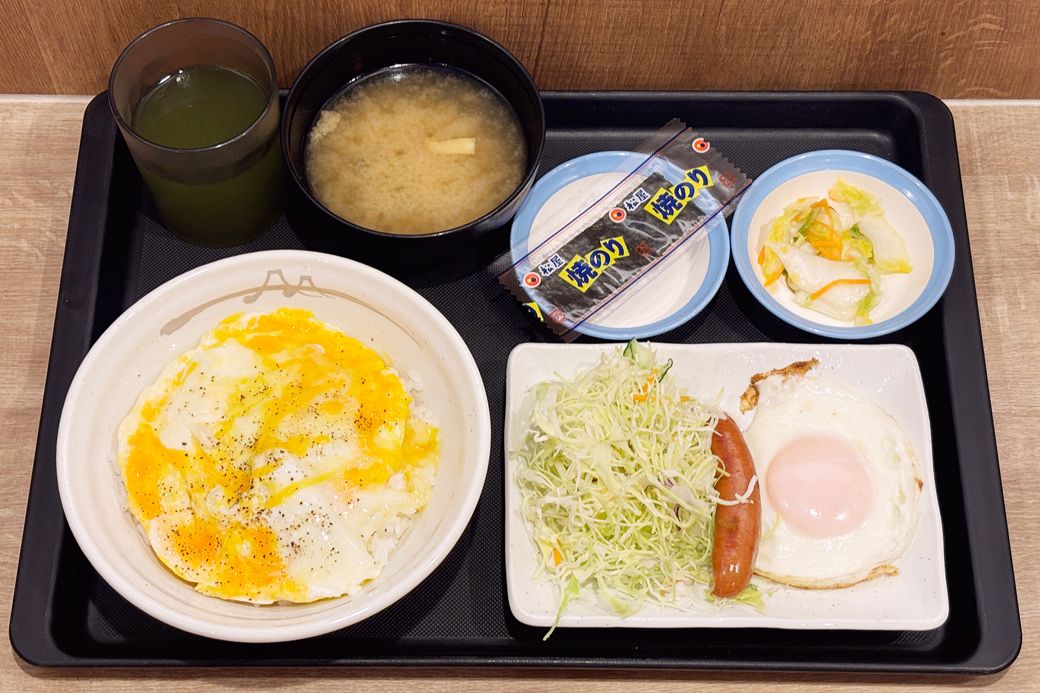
(596, 261)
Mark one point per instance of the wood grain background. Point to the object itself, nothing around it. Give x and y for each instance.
(951, 48)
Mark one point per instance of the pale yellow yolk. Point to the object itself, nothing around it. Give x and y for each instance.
(313, 388)
(820, 486)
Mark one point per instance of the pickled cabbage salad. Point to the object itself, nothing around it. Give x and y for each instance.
(832, 252)
(617, 483)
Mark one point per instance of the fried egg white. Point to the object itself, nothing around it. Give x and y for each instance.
(840, 488)
(277, 461)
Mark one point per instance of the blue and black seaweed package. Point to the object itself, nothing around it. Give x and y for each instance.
(587, 265)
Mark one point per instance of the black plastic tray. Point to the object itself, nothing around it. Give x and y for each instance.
(65, 614)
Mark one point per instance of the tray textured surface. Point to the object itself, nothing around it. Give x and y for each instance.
(116, 252)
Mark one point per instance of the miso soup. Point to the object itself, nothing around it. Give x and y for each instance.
(415, 150)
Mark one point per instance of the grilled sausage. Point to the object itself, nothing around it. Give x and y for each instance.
(736, 526)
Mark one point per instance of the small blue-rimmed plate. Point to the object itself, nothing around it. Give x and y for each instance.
(909, 206)
(673, 294)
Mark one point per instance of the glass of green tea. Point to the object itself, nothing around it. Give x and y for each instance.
(197, 103)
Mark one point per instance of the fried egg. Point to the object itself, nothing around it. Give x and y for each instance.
(279, 460)
(840, 484)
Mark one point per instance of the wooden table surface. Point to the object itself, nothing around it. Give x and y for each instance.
(999, 143)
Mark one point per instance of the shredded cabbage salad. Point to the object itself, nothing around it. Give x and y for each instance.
(617, 482)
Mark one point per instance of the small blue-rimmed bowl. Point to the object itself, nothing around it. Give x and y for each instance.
(909, 206)
(674, 294)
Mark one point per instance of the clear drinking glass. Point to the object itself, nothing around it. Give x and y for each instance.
(215, 193)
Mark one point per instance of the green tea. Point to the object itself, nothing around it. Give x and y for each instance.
(200, 107)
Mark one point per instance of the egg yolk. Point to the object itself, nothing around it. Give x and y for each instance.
(820, 486)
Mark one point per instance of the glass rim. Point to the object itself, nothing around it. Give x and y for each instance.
(265, 55)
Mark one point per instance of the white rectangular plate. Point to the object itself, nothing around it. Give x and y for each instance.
(889, 375)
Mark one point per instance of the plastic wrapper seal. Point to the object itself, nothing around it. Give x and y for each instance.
(596, 261)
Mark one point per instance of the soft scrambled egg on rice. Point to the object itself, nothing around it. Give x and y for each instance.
(279, 460)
